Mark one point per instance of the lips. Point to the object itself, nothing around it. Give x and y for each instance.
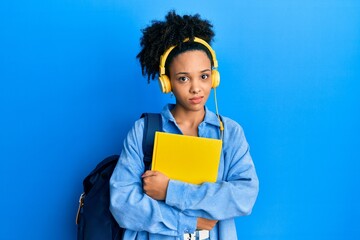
(196, 100)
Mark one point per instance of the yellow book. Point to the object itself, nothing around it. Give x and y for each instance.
(186, 158)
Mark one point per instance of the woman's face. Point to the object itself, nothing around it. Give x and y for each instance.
(190, 77)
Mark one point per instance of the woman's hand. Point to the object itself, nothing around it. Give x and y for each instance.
(155, 184)
(205, 224)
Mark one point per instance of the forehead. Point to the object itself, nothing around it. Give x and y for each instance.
(191, 59)
(186, 47)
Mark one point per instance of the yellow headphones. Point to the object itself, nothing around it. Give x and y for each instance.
(164, 79)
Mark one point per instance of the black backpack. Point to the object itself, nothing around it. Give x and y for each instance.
(94, 219)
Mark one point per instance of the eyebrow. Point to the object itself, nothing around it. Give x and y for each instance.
(205, 70)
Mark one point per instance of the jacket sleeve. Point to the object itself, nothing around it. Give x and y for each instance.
(130, 206)
(231, 196)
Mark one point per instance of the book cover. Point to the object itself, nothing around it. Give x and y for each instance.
(186, 158)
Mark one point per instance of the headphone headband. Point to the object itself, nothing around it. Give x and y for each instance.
(164, 57)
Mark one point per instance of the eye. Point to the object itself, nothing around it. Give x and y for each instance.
(204, 76)
(183, 79)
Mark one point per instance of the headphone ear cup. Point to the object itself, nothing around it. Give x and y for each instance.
(215, 78)
(164, 83)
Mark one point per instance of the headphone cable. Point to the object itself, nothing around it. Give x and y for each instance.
(218, 116)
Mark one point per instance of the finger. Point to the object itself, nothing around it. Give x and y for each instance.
(145, 174)
(148, 173)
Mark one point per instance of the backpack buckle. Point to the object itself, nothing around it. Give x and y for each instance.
(81, 204)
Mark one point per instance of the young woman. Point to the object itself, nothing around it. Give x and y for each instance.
(148, 204)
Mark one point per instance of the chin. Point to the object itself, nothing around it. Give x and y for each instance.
(197, 108)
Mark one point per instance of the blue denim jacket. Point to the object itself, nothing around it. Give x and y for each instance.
(233, 194)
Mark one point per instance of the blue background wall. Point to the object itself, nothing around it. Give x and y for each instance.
(70, 88)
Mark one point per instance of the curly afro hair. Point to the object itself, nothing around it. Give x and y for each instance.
(161, 35)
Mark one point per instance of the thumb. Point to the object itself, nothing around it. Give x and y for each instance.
(148, 173)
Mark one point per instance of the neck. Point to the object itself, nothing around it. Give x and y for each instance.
(188, 121)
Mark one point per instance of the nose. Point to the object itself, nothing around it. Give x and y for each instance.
(195, 91)
(195, 87)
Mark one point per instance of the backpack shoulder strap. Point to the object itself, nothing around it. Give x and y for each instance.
(152, 123)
